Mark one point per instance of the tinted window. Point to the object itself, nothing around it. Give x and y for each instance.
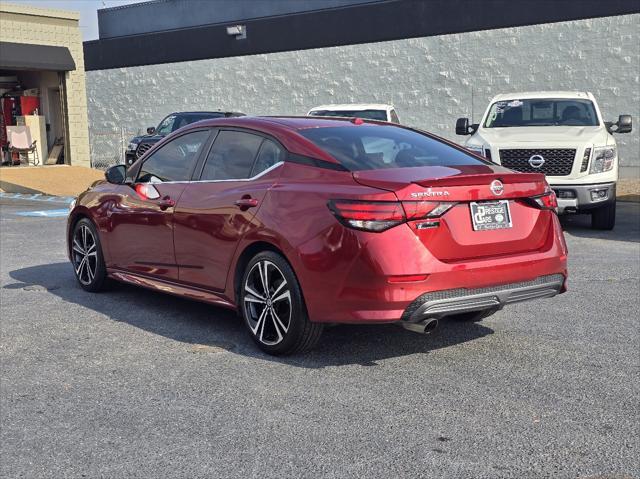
(370, 147)
(394, 117)
(186, 119)
(366, 114)
(269, 155)
(232, 156)
(174, 160)
(166, 126)
(541, 112)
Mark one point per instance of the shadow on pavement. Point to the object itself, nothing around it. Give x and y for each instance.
(627, 224)
(209, 327)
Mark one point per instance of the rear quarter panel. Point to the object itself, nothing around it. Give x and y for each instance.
(294, 218)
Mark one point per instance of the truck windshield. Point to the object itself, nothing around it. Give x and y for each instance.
(541, 112)
(366, 114)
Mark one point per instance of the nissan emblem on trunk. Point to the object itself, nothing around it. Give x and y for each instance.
(536, 161)
(496, 187)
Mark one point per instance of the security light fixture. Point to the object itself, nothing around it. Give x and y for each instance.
(238, 31)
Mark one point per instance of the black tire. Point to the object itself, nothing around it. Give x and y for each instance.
(88, 261)
(265, 315)
(472, 316)
(604, 218)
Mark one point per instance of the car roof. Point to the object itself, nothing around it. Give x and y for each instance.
(353, 106)
(217, 112)
(286, 129)
(542, 94)
(284, 122)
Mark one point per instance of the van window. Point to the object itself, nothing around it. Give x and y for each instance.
(380, 115)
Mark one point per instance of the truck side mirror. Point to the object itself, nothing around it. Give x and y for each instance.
(116, 174)
(624, 124)
(151, 130)
(463, 127)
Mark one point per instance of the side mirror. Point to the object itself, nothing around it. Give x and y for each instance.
(624, 124)
(151, 130)
(464, 128)
(116, 174)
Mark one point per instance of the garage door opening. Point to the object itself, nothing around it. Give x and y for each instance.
(33, 104)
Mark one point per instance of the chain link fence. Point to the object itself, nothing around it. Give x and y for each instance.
(108, 147)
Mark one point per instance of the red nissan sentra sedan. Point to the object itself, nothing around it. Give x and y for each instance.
(299, 222)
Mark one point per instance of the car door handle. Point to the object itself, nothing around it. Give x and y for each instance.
(246, 203)
(166, 202)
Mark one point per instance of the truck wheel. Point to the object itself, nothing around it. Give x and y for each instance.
(604, 218)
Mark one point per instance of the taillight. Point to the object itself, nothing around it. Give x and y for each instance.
(417, 210)
(377, 216)
(368, 215)
(548, 201)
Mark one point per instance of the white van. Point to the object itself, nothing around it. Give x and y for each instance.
(367, 111)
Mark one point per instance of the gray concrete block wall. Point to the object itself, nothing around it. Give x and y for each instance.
(431, 80)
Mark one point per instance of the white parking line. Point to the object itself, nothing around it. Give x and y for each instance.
(45, 213)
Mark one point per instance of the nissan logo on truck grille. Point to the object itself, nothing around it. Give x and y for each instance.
(551, 162)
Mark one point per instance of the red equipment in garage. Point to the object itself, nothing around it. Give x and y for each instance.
(13, 106)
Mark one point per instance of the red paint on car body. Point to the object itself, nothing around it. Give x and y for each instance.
(196, 247)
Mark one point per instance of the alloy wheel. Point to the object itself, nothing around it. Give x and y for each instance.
(85, 254)
(267, 303)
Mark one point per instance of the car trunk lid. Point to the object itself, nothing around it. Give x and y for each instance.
(453, 237)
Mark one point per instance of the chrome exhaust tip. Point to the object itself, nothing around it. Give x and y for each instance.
(423, 327)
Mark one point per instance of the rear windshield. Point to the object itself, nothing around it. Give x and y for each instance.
(380, 115)
(541, 112)
(372, 147)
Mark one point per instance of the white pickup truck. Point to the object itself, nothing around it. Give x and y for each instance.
(558, 133)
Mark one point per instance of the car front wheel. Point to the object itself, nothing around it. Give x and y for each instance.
(273, 307)
(86, 257)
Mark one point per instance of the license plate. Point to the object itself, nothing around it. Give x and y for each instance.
(491, 215)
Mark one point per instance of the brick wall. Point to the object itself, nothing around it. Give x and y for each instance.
(23, 24)
(431, 81)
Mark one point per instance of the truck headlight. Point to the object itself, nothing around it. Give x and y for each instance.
(603, 160)
(133, 146)
(478, 150)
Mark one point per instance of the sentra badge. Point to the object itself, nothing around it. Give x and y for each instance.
(429, 193)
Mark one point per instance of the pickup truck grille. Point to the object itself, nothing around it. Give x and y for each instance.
(557, 161)
(142, 149)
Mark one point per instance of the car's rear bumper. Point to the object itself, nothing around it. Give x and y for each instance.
(438, 304)
(576, 198)
(444, 293)
(368, 286)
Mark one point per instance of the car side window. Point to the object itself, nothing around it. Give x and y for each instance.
(269, 155)
(232, 156)
(173, 161)
(394, 117)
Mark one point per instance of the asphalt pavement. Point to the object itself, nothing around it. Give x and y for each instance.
(133, 383)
